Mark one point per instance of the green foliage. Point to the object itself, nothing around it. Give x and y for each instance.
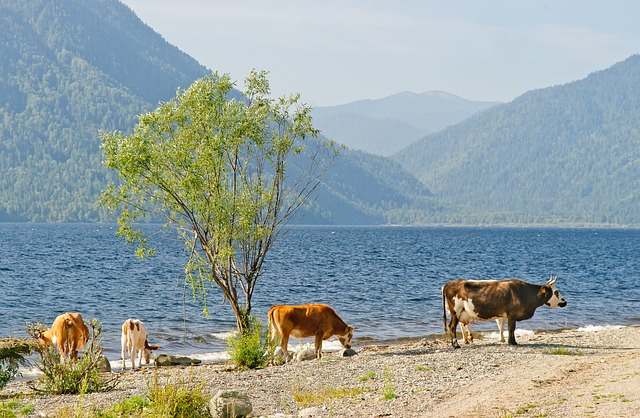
(562, 154)
(389, 391)
(74, 377)
(12, 352)
(562, 351)
(307, 398)
(250, 349)
(370, 375)
(64, 75)
(176, 399)
(13, 409)
(132, 406)
(227, 174)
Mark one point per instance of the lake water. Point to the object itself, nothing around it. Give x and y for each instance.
(385, 281)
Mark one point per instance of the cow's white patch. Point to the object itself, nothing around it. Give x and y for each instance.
(464, 309)
(465, 312)
(556, 301)
(54, 340)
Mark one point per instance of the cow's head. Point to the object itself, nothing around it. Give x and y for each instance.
(345, 339)
(552, 295)
(45, 338)
(147, 351)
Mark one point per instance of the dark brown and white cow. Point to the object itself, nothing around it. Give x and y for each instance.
(483, 300)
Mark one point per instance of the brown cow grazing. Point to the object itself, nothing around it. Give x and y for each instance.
(311, 320)
(482, 300)
(134, 338)
(69, 333)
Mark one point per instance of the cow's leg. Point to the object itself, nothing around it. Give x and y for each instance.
(512, 331)
(124, 366)
(466, 333)
(132, 354)
(140, 354)
(453, 327)
(501, 321)
(284, 344)
(317, 346)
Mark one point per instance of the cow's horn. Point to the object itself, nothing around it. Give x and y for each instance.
(552, 280)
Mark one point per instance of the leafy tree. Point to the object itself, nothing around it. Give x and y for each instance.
(227, 173)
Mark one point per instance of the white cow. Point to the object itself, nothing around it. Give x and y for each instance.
(134, 338)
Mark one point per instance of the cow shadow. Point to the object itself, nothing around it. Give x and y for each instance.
(549, 348)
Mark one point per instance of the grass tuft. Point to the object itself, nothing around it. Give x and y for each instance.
(306, 399)
(562, 351)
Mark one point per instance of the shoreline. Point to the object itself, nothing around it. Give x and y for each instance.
(565, 372)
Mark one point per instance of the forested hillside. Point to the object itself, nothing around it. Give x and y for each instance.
(569, 153)
(73, 68)
(67, 70)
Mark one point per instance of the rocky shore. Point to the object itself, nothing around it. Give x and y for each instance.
(568, 373)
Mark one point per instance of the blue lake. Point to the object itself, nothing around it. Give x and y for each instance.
(385, 281)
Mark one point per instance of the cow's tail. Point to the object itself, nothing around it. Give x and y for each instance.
(444, 312)
(273, 330)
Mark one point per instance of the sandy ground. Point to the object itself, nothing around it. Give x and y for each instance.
(553, 374)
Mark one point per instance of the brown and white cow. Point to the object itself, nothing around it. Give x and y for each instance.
(69, 333)
(311, 320)
(134, 338)
(483, 300)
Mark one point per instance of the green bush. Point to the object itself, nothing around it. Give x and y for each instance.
(176, 400)
(13, 409)
(12, 352)
(252, 348)
(74, 377)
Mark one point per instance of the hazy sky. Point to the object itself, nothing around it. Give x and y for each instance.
(338, 51)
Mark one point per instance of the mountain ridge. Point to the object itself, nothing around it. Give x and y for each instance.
(563, 152)
(70, 70)
(386, 125)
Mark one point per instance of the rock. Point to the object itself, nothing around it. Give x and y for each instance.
(313, 412)
(304, 355)
(164, 360)
(103, 364)
(230, 404)
(347, 352)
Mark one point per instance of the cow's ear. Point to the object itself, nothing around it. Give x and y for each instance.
(545, 293)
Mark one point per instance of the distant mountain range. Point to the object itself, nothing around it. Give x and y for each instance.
(568, 153)
(385, 126)
(563, 155)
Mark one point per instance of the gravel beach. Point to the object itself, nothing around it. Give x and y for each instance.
(569, 373)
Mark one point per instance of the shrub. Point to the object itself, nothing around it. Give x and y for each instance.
(252, 348)
(12, 352)
(180, 399)
(15, 409)
(79, 377)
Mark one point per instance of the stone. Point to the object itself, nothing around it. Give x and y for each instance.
(103, 364)
(347, 352)
(230, 404)
(306, 354)
(164, 360)
(313, 412)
